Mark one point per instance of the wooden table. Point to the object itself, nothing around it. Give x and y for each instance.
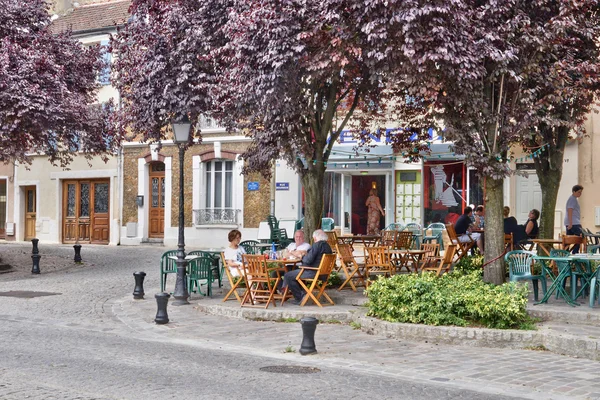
(546, 244)
(405, 256)
(366, 240)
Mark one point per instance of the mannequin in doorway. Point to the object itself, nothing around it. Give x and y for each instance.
(374, 213)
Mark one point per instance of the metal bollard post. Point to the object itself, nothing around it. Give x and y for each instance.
(138, 292)
(35, 256)
(77, 257)
(162, 299)
(309, 326)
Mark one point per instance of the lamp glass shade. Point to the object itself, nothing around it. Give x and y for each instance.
(182, 131)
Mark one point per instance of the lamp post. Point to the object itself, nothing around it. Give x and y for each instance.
(181, 130)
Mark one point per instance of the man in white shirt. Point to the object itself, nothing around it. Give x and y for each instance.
(298, 247)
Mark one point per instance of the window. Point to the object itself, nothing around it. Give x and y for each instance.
(104, 76)
(218, 199)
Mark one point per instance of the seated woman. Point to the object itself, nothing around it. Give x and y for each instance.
(233, 253)
(512, 226)
(531, 226)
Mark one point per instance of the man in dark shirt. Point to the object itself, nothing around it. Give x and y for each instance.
(310, 259)
(463, 227)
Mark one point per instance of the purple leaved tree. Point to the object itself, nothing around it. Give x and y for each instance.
(295, 74)
(48, 85)
(475, 66)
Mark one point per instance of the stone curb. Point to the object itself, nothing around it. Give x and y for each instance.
(541, 339)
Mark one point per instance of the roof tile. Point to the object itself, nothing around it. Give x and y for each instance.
(93, 16)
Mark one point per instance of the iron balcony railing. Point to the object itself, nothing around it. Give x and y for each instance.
(216, 216)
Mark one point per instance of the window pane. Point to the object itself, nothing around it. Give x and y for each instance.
(229, 165)
(101, 198)
(30, 201)
(228, 189)
(84, 202)
(162, 193)
(208, 186)
(154, 195)
(71, 200)
(218, 187)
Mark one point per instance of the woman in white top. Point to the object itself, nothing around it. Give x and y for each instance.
(233, 252)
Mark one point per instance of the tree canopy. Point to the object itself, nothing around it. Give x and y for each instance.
(48, 84)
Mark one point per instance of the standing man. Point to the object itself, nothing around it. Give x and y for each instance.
(573, 215)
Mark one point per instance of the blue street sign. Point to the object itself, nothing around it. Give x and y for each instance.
(282, 186)
(252, 186)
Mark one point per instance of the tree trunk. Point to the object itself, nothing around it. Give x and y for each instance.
(312, 181)
(494, 272)
(549, 171)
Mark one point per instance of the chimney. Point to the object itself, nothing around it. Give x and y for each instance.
(61, 7)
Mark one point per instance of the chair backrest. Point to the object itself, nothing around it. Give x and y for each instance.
(166, 262)
(378, 256)
(389, 238)
(452, 234)
(519, 262)
(432, 250)
(595, 248)
(331, 239)
(449, 255)
(396, 226)
(436, 228)
(569, 241)
(327, 224)
(200, 267)
(413, 227)
(199, 253)
(326, 266)
(250, 246)
(255, 266)
(404, 240)
(508, 241)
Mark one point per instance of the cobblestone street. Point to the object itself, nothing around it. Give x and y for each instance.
(92, 341)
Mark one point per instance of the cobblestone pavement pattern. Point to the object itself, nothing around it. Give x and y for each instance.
(94, 342)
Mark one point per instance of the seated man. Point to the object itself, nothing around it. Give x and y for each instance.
(298, 248)
(463, 227)
(311, 259)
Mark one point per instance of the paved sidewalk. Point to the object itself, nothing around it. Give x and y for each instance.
(521, 373)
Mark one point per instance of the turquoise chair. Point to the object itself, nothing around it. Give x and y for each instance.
(417, 231)
(250, 246)
(395, 227)
(200, 272)
(167, 266)
(327, 224)
(437, 228)
(519, 269)
(595, 281)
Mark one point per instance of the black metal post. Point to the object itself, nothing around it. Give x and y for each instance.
(138, 292)
(181, 294)
(309, 326)
(77, 257)
(35, 257)
(162, 299)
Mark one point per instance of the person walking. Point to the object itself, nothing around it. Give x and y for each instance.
(573, 215)
(374, 213)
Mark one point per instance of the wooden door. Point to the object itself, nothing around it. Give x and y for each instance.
(30, 214)
(156, 207)
(2, 208)
(86, 211)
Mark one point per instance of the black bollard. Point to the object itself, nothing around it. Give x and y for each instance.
(162, 299)
(138, 292)
(309, 326)
(35, 256)
(77, 257)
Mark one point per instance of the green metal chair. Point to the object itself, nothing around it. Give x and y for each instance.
(200, 271)
(417, 231)
(250, 246)
(437, 228)
(327, 224)
(216, 267)
(519, 269)
(167, 266)
(282, 239)
(595, 282)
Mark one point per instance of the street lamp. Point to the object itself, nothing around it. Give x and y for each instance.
(181, 130)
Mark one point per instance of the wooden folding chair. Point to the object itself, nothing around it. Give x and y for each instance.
(331, 239)
(260, 285)
(441, 264)
(432, 252)
(404, 240)
(508, 242)
(462, 248)
(569, 241)
(389, 239)
(378, 261)
(235, 282)
(323, 272)
(353, 271)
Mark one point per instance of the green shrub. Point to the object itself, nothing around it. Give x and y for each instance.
(334, 279)
(451, 299)
(469, 264)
